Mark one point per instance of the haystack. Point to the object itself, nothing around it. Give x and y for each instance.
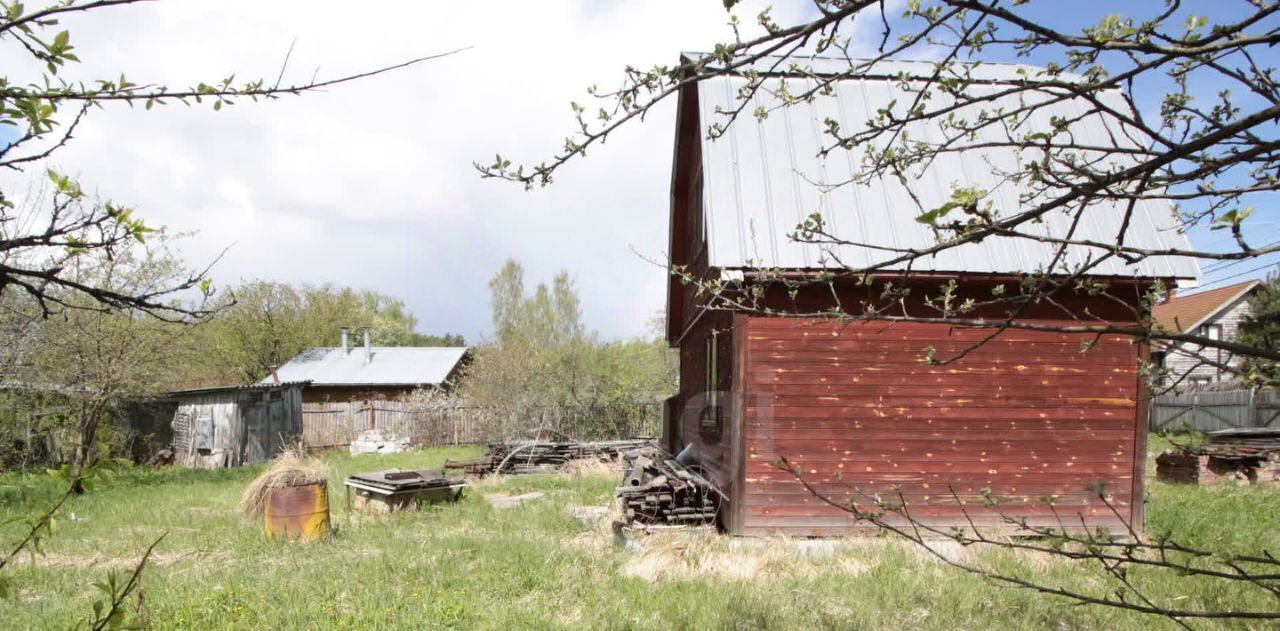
(290, 468)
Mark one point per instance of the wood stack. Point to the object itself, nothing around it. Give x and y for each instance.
(527, 456)
(1243, 443)
(659, 490)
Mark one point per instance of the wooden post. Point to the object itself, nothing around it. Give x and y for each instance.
(1251, 412)
(369, 407)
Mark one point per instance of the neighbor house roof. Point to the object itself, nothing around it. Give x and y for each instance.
(760, 178)
(1185, 313)
(386, 366)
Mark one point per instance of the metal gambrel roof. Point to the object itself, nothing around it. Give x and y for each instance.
(760, 181)
(387, 366)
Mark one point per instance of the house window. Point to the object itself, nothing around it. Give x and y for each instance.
(711, 418)
(1214, 332)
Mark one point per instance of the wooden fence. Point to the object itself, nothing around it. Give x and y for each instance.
(337, 424)
(1208, 411)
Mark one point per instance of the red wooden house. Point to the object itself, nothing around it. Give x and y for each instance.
(851, 404)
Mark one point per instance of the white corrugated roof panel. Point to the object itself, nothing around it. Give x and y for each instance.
(760, 182)
(388, 365)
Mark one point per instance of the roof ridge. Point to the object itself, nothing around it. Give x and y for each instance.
(979, 62)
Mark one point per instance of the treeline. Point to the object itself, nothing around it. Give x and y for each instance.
(262, 324)
(68, 367)
(542, 354)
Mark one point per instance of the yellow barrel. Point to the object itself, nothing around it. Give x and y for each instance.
(298, 512)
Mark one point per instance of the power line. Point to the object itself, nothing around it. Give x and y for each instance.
(1218, 266)
(1248, 271)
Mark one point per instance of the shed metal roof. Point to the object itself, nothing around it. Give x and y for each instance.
(266, 384)
(759, 181)
(388, 366)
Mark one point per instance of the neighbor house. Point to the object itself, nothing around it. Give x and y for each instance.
(371, 373)
(851, 405)
(1213, 314)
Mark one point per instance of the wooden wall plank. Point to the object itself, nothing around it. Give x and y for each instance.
(850, 406)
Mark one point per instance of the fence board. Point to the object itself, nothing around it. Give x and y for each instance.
(1209, 411)
(337, 424)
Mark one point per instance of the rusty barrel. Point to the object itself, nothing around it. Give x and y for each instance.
(298, 512)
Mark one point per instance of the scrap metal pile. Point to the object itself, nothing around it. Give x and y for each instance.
(528, 456)
(659, 490)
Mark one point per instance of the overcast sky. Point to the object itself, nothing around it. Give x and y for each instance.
(370, 184)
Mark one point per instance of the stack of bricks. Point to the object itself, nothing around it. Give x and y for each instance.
(1186, 467)
(1178, 467)
(1269, 470)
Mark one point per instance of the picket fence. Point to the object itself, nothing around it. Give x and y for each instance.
(326, 425)
(1208, 411)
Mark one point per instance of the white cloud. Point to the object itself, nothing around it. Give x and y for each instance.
(371, 184)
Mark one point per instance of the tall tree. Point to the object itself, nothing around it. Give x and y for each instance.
(545, 356)
(507, 300)
(98, 359)
(1260, 328)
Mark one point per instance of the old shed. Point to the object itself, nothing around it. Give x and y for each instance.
(852, 405)
(235, 425)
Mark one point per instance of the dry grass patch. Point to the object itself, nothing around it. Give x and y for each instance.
(704, 554)
(590, 468)
(290, 468)
(58, 561)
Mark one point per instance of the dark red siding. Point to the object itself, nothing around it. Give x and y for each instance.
(854, 407)
(706, 419)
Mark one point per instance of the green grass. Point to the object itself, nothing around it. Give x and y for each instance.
(469, 566)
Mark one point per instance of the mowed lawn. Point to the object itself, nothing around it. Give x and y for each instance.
(541, 566)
